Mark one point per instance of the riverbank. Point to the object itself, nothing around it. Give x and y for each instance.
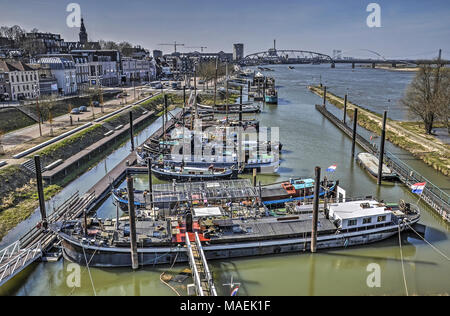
(17, 198)
(401, 69)
(402, 134)
(398, 68)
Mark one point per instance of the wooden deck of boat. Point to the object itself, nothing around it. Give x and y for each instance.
(273, 192)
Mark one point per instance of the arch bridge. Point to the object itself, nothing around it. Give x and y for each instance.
(285, 56)
(275, 56)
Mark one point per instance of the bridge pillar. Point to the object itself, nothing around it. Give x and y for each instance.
(333, 65)
(353, 65)
(373, 65)
(394, 65)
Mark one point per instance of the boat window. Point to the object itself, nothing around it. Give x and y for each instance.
(352, 222)
(381, 219)
(367, 220)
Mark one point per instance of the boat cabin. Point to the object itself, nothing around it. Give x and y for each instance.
(360, 214)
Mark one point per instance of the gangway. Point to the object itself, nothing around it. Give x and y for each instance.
(204, 284)
(32, 246)
(14, 259)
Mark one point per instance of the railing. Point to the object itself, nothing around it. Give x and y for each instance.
(9, 251)
(209, 277)
(439, 198)
(18, 262)
(196, 274)
(432, 195)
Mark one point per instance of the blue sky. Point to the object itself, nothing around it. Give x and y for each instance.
(410, 29)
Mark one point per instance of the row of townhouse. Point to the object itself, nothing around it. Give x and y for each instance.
(18, 81)
(69, 74)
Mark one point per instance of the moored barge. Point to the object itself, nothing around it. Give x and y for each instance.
(223, 237)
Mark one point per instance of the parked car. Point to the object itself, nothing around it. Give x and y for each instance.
(83, 108)
(75, 111)
(96, 104)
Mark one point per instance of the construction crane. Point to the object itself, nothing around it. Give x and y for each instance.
(201, 47)
(175, 45)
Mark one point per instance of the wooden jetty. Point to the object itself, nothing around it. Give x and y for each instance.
(432, 195)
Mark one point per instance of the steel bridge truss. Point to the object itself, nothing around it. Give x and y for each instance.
(285, 57)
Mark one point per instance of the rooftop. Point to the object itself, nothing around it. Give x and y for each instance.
(356, 210)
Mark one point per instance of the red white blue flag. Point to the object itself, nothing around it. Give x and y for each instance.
(235, 291)
(418, 188)
(332, 168)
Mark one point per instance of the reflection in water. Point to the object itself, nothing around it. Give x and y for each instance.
(312, 274)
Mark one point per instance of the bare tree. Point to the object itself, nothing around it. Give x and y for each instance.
(426, 96)
(444, 99)
(207, 70)
(48, 104)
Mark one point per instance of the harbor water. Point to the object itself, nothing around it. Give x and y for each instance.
(309, 140)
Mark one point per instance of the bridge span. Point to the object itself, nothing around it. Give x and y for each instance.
(292, 56)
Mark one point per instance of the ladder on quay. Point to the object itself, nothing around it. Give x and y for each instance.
(204, 284)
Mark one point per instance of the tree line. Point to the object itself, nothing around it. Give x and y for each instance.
(428, 96)
(17, 35)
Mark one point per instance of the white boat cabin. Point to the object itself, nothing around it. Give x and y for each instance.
(358, 214)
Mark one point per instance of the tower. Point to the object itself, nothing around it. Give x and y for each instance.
(83, 34)
(238, 51)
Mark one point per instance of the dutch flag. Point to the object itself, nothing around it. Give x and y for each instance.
(332, 168)
(235, 291)
(418, 188)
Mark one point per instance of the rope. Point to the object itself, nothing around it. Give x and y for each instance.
(435, 249)
(162, 274)
(89, 271)
(401, 257)
(90, 260)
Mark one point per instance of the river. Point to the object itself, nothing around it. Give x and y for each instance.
(309, 140)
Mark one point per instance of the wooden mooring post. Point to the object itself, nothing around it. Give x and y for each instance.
(324, 97)
(131, 131)
(150, 182)
(315, 218)
(355, 125)
(164, 116)
(40, 188)
(345, 109)
(381, 158)
(132, 215)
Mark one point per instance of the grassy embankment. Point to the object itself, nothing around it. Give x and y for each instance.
(18, 196)
(406, 135)
(207, 99)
